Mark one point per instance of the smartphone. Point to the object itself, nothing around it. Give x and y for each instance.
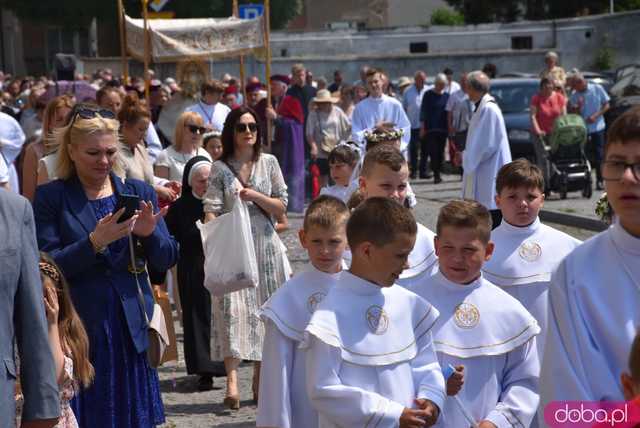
(130, 203)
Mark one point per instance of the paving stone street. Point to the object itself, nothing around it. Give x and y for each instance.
(186, 408)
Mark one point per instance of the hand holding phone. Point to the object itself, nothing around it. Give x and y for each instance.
(130, 203)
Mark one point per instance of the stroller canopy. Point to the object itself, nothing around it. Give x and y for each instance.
(568, 130)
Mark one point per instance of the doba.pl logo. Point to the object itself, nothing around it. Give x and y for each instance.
(591, 414)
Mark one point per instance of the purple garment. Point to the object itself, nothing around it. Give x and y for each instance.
(288, 148)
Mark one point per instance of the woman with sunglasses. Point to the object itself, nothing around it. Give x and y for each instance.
(238, 333)
(187, 143)
(79, 226)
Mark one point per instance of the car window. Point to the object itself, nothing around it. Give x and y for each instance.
(513, 98)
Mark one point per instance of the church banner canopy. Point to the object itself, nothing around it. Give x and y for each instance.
(180, 39)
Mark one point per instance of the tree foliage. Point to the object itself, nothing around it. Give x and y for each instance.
(79, 13)
(444, 16)
(476, 12)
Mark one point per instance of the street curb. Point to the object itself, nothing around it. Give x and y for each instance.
(573, 220)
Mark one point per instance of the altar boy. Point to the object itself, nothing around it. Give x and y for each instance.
(480, 327)
(283, 398)
(594, 294)
(526, 251)
(370, 360)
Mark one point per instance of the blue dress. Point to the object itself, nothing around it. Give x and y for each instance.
(125, 392)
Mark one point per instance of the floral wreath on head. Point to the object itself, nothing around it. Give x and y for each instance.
(379, 136)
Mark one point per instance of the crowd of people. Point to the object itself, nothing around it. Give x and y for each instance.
(481, 322)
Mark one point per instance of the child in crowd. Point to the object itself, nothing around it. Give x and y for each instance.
(343, 160)
(480, 327)
(393, 137)
(593, 295)
(67, 339)
(526, 251)
(385, 173)
(283, 399)
(212, 143)
(370, 357)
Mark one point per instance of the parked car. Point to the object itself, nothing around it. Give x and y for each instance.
(625, 92)
(513, 95)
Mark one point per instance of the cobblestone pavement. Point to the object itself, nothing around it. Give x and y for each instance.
(185, 407)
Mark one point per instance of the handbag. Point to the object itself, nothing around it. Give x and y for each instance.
(157, 325)
(229, 254)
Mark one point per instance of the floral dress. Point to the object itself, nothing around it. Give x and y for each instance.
(67, 387)
(237, 331)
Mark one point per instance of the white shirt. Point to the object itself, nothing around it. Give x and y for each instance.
(522, 263)
(154, 145)
(341, 192)
(4, 171)
(412, 102)
(213, 115)
(370, 354)
(486, 151)
(176, 161)
(594, 298)
(493, 336)
(461, 109)
(452, 87)
(283, 393)
(11, 140)
(371, 111)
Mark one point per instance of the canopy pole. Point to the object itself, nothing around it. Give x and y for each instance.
(123, 43)
(147, 41)
(267, 44)
(242, 88)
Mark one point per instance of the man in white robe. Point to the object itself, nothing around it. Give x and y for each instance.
(595, 293)
(4, 174)
(11, 140)
(379, 111)
(487, 145)
(481, 328)
(209, 107)
(370, 358)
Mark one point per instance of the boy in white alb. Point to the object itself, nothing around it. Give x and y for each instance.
(385, 173)
(283, 399)
(594, 294)
(526, 251)
(370, 358)
(480, 327)
(342, 160)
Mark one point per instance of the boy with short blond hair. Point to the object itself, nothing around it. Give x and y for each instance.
(385, 173)
(481, 327)
(594, 294)
(370, 358)
(283, 399)
(526, 251)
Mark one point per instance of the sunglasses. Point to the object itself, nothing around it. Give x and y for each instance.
(195, 129)
(244, 127)
(89, 113)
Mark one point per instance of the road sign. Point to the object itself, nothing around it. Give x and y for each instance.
(250, 11)
(157, 5)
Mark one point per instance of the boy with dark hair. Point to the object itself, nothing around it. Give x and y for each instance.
(283, 399)
(527, 251)
(385, 173)
(593, 296)
(370, 359)
(481, 327)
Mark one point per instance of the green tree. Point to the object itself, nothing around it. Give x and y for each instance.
(79, 13)
(477, 12)
(444, 16)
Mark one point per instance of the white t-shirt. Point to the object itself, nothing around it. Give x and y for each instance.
(176, 161)
(213, 115)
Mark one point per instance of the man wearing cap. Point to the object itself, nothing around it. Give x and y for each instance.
(287, 145)
(209, 107)
(326, 127)
(230, 97)
(411, 101)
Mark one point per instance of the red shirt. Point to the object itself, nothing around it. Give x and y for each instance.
(548, 109)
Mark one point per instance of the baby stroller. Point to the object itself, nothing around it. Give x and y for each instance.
(565, 165)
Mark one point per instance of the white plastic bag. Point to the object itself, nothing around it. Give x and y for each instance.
(229, 254)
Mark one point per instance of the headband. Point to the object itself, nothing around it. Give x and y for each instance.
(50, 270)
(193, 169)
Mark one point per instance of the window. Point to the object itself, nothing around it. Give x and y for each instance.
(522, 42)
(419, 47)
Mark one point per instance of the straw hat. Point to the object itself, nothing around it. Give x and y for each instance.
(324, 96)
(404, 81)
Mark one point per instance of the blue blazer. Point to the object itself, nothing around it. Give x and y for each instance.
(64, 218)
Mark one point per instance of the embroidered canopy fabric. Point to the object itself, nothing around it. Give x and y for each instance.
(179, 39)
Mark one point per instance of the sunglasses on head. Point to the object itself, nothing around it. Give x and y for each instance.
(195, 129)
(90, 113)
(244, 127)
